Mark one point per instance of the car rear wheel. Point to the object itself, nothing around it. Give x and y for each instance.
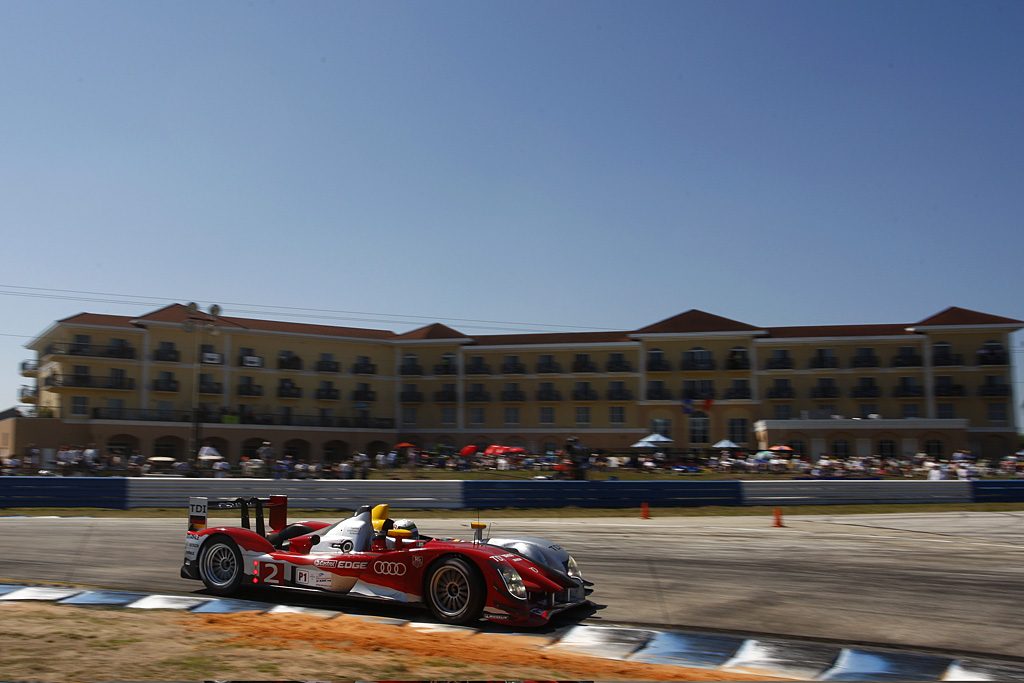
(456, 591)
(220, 565)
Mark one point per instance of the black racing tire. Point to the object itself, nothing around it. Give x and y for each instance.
(220, 566)
(455, 591)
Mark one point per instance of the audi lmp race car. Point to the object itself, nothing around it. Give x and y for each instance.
(518, 581)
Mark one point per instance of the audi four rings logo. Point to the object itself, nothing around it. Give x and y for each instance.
(389, 568)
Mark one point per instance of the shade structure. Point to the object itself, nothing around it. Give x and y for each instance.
(785, 449)
(468, 450)
(656, 439)
(643, 443)
(160, 458)
(405, 444)
(515, 449)
(208, 457)
(725, 443)
(495, 449)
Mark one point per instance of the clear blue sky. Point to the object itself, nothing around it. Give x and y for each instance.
(564, 164)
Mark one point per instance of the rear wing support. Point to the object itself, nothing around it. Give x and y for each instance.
(278, 506)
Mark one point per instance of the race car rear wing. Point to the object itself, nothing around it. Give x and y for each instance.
(278, 506)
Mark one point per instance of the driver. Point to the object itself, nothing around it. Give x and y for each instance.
(408, 525)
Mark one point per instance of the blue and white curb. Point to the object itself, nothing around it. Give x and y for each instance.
(725, 653)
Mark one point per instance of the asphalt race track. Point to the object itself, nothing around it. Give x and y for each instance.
(950, 581)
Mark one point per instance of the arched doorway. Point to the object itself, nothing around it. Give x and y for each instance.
(122, 444)
(169, 447)
(296, 449)
(335, 451)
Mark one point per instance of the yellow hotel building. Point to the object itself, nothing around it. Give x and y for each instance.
(324, 393)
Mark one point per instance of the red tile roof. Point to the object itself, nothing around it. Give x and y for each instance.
(176, 313)
(962, 316)
(99, 319)
(696, 321)
(434, 331)
(838, 331)
(546, 338)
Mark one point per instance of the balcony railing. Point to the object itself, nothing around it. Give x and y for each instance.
(737, 364)
(584, 395)
(478, 396)
(620, 395)
(249, 390)
(584, 366)
(248, 417)
(289, 363)
(364, 395)
(478, 369)
(820, 362)
(327, 394)
(659, 395)
(410, 369)
(618, 366)
(513, 396)
(167, 355)
(411, 397)
(907, 360)
(327, 366)
(908, 392)
(289, 392)
(994, 390)
(737, 393)
(513, 369)
(166, 385)
(549, 395)
(824, 392)
(658, 366)
(90, 382)
(549, 368)
(94, 350)
(865, 362)
(946, 390)
(28, 394)
(250, 361)
(446, 396)
(866, 392)
(704, 364)
(698, 394)
(779, 364)
(446, 369)
(364, 369)
(947, 359)
(780, 392)
(29, 368)
(211, 358)
(211, 388)
(986, 357)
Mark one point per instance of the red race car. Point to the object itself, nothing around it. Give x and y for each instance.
(517, 581)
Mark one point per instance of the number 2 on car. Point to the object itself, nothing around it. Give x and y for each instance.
(268, 572)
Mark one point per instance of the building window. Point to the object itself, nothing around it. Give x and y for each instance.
(79, 406)
(997, 414)
(945, 411)
(935, 449)
(783, 411)
(867, 410)
(408, 415)
(841, 448)
(476, 415)
(911, 410)
(582, 416)
(447, 415)
(798, 446)
(547, 415)
(887, 448)
(700, 428)
(617, 415)
(511, 415)
(739, 429)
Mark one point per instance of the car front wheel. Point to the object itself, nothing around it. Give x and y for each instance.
(455, 591)
(220, 566)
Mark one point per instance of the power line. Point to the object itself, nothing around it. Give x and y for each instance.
(262, 309)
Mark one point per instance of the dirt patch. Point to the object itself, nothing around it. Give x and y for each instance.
(48, 642)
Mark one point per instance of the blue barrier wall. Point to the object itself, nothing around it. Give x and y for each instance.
(603, 494)
(998, 491)
(60, 492)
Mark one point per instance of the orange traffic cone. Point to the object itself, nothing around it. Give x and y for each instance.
(645, 511)
(778, 517)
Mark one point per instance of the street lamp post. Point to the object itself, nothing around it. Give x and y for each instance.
(198, 323)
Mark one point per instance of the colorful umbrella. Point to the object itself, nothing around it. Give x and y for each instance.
(494, 449)
(780, 448)
(468, 450)
(405, 444)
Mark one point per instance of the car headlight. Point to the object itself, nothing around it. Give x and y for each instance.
(513, 581)
(573, 569)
